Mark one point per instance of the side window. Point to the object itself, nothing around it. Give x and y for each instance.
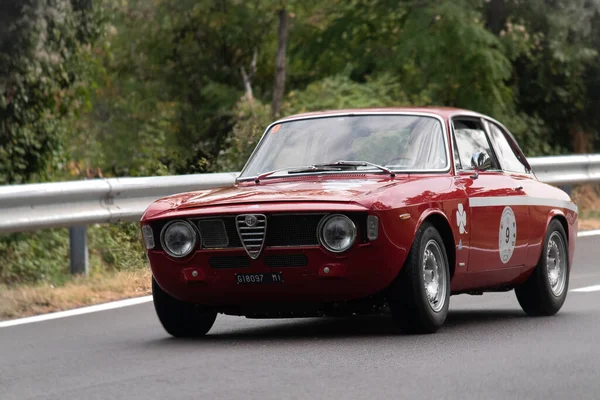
(471, 138)
(510, 162)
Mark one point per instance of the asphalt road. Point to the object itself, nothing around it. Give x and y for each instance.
(488, 349)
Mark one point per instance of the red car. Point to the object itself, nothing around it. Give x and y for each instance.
(361, 211)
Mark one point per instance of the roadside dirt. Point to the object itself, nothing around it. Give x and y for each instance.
(26, 301)
(587, 198)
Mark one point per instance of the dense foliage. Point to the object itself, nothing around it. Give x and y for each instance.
(41, 48)
(143, 87)
(180, 86)
(140, 87)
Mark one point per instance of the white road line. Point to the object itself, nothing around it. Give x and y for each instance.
(587, 289)
(588, 233)
(77, 311)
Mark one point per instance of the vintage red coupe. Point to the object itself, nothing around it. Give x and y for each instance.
(360, 211)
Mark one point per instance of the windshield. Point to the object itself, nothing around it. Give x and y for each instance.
(399, 142)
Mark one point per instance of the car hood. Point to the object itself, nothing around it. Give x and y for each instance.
(330, 190)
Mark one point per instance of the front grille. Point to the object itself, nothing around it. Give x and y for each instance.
(232, 233)
(293, 230)
(229, 262)
(286, 260)
(251, 229)
(213, 233)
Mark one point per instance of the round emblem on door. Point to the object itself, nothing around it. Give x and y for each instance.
(507, 235)
(250, 220)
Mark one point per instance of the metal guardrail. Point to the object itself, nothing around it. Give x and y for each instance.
(80, 203)
(567, 170)
(65, 204)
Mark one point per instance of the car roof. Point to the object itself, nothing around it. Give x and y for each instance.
(444, 112)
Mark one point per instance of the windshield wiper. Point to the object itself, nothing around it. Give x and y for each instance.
(351, 164)
(336, 166)
(290, 170)
(316, 168)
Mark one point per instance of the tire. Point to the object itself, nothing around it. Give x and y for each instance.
(408, 298)
(181, 319)
(545, 291)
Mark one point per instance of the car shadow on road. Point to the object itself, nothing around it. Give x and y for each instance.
(359, 326)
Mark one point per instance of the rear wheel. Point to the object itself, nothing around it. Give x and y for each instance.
(181, 319)
(545, 290)
(420, 296)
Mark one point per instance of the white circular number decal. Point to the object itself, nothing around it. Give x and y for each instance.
(507, 235)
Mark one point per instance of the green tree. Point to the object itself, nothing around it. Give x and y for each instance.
(555, 79)
(40, 41)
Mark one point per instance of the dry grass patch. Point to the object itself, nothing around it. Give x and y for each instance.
(25, 301)
(589, 224)
(587, 198)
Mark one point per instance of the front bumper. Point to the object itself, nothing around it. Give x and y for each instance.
(364, 270)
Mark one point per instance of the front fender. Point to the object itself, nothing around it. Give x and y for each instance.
(428, 213)
(401, 225)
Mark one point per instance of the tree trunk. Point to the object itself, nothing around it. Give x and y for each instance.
(280, 63)
(248, 78)
(496, 16)
(581, 141)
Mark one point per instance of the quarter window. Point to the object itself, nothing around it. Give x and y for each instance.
(508, 158)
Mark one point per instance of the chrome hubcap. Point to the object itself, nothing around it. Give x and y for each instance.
(434, 275)
(556, 263)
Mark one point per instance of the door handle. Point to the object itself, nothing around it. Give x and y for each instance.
(519, 188)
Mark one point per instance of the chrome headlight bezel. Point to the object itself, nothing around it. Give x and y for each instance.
(321, 227)
(194, 238)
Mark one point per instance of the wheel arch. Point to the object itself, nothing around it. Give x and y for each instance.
(552, 215)
(558, 215)
(562, 219)
(439, 220)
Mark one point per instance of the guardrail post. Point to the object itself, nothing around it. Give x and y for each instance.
(78, 250)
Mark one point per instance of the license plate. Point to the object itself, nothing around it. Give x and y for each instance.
(258, 278)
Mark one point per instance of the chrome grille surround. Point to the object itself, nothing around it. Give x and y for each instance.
(252, 230)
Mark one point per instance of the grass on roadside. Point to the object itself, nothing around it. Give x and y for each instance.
(35, 278)
(589, 224)
(34, 299)
(587, 198)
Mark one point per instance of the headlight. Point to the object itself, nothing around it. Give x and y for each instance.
(178, 238)
(337, 233)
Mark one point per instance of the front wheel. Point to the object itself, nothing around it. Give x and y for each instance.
(420, 296)
(545, 290)
(181, 319)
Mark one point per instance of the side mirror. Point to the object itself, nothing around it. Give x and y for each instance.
(480, 162)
